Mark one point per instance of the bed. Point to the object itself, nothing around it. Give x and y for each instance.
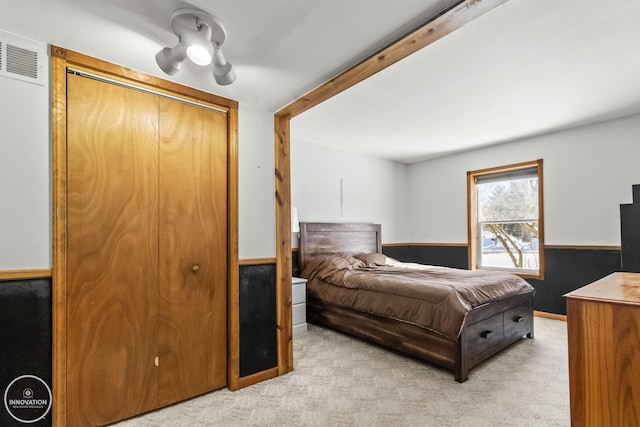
(456, 327)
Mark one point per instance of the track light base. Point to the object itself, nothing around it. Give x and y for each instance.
(182, 19)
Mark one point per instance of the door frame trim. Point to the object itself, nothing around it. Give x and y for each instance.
(61, 60)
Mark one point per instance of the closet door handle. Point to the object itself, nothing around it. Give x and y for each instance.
(195, 268)
(518, 319)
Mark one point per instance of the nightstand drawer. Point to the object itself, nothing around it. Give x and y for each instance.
(299, 314)
(298, 293)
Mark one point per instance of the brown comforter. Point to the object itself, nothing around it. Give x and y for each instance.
(435, 298)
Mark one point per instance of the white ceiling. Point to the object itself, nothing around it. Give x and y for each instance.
(280, 49)
(526, 68)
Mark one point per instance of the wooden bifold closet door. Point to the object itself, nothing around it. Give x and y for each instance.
(193, 247)
(146, 251)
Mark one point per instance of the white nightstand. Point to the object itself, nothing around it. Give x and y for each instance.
(299, 304)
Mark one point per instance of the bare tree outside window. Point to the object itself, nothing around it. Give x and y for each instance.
(508, 216)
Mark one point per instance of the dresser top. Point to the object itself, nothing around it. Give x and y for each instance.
(616, 287)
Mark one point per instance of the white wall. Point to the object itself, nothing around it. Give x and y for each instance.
(25, 201)
(256, 184)
(25, 178)
(373, 189)
(588, 173)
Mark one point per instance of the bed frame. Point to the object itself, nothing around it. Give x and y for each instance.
(488, 328)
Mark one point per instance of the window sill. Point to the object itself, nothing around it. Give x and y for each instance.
(524, 275)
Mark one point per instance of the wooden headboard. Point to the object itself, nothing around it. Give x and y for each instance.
(326, 238)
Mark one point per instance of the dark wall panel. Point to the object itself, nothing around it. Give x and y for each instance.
(446, 256)
(258, 340)
(25, 343)
(630, 233)
(568, 269)
(630, 223)
(295, 263)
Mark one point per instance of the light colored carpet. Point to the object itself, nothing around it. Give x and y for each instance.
(342, 381)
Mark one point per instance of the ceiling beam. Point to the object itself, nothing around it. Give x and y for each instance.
(445, 23)
(438, 27)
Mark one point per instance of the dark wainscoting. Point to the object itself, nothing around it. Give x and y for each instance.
(446, 256)
(566, 269)
(295, 263)
(25, 328)
(25, 337)
(630, 233)
(258, 339)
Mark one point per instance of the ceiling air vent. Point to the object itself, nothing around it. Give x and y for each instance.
(22, 59)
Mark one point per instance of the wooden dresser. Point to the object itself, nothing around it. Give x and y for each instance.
(603, 321)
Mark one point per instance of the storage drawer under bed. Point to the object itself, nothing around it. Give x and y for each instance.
(485, 334)
(492, 331)
(517, 321)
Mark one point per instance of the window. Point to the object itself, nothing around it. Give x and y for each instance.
(505, 219)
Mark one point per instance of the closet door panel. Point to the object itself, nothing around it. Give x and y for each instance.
(193, 250)
(112, 288)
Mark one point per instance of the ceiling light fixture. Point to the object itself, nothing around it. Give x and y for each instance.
(200, 36)
(222, 71)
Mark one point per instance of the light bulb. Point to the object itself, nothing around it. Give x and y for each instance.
(198, 44)
(199, 55)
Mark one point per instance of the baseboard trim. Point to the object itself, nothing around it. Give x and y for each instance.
(258, 377)
(41, 273)
(257, 261)
(584, 247)
(552, 316)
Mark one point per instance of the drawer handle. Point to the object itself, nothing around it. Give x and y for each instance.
(518, 319)
(485, 334)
